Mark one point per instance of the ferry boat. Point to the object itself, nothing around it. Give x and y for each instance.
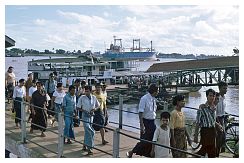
(85, 67)
(117, 52)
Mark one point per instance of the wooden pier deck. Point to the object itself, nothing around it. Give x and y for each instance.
(50, 142)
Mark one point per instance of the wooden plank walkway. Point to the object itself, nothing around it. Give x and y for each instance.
(70, 150)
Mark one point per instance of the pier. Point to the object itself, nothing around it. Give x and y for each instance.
(202, 72)
(23, 144)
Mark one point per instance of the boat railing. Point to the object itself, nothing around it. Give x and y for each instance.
(60, 146)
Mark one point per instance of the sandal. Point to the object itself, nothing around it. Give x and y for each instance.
(128, 154)
(90, 152)
(105, 142)
(84, 148)
(43, 135)
(69, 142)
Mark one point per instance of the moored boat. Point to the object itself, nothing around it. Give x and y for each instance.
(117, 52)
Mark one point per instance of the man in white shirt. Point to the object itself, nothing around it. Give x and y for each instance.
(220, 111)
(88, 103)
(19, 95)
(147, 115)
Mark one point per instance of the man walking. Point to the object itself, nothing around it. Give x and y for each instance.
(147, 115)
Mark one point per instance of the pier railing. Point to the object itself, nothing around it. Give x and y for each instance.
(60, 146)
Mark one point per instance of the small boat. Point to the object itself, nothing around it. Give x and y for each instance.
(190, 89)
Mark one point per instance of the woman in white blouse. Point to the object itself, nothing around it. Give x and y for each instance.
(57, 101)
(18, 96)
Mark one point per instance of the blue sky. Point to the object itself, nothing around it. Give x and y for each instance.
(186, 29)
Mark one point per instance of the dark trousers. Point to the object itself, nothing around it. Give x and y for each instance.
(221, 136)
(50, 111)
(208, 141)
(17, 109)
(144, 148)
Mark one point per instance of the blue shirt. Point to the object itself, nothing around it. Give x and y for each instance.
(206, 117)
(52, 86)
(69, 103)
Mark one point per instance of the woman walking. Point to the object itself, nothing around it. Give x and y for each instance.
(57, 101)
(39, 100)
(69, 104)
(177, 127)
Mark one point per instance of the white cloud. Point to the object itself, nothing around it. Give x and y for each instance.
(182, 29)
(106, 14)
(41, 22)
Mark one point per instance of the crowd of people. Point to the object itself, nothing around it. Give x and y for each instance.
(81, 103)
(172, 129)
(46, 101)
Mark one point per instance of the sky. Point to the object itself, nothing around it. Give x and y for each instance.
(185, 29)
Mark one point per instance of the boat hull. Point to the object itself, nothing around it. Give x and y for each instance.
(131, 55)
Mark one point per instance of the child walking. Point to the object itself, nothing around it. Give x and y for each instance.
(162, 136)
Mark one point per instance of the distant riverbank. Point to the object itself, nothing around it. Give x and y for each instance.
(160, 55)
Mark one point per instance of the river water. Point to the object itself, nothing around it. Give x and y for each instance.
(194, 100)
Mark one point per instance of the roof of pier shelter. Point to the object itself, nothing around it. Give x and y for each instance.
(219, 62)
(9, 42)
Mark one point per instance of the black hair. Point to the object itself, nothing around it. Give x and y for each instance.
(210, 91)
(152, 88)
(51, 74)
(88, 87)
(77, 80)
(178, 98)
(55, 73)
(59, 85)
(98, 84)
(21, 80)
(165, 115)
(39, 83)
(34, 81)
(83, 82)
(71, 87)
(29, 74)
(10, 67)
(222, 83)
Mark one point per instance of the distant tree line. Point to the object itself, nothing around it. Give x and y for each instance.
(33, 51)
(78, 52)
(186, 56)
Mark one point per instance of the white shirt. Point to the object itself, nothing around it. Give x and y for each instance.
(19, 92)
(59, 96)
(161, 137)
(148, 106)
(32, 90)
(88, 104)
(221, 106)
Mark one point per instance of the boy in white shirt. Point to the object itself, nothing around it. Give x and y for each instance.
(162, 136)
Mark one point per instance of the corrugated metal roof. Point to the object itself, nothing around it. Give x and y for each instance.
(9, 42)
(195, 64)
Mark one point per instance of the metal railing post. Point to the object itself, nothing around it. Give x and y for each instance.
(23, 123)
(60, 135)
(120, 111)
(116, 143)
